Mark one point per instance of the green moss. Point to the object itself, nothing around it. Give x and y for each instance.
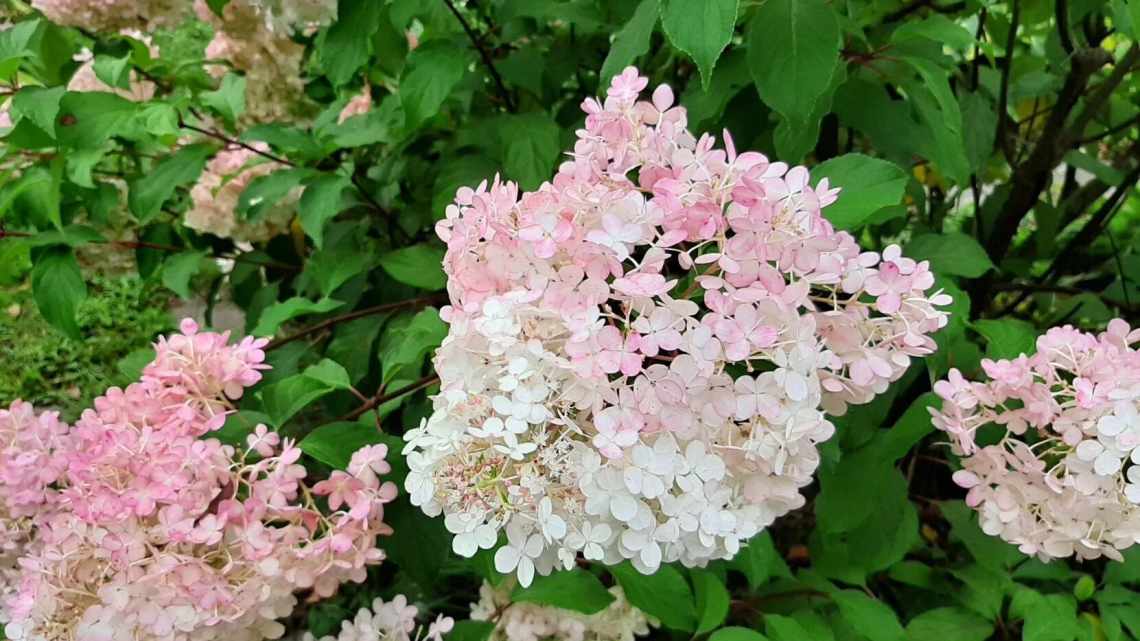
(43, 367)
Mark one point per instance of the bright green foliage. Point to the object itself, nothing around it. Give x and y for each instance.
(994, 138)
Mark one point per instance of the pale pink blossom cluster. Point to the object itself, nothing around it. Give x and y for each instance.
(619, 621)
(269, 59)
(394, 620)
(134, 525)
(1050, 445)
(113, 15)
(214, 198)
(641, 351)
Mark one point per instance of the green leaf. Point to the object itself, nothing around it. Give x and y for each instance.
(38, 104)
(418, 265)
(321, 201)
(759, 561)
(869, 617)
(664, 595)
(331, 268)
(1007, 337)
(352, 343)
(793, 48)
(705, 106)
(266, 191)
(1126, 571)
(700, 29)
(952, 254)
(334, 443)
(781, 628)
(58, 288)
(279, 313)
(72, 236)
(217, 6)
(935, 28)
(979, 123)
(989, 551)
(283, 399)
(348, 43)
(575, 590)
(407, 340)
(631, 41)
(712, 599)
(229, 98)
(868, 185)
(433, 70)
(90, 118)
(114, 72)
(151, 191)
(1048, 617)
(179, 269)
(948, 624)
(736, 633)
(532, 148)
(330, 373)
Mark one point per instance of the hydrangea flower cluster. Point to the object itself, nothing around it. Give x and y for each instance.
(391, 621)
(269, 58)
(131, 525)
(113, 15)
(1061, 476)
(619, 621)
(639, 350)
(215, 197)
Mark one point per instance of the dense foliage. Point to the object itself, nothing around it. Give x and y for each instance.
(329, 176)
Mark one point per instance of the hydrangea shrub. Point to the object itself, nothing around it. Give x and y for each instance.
(495, 332)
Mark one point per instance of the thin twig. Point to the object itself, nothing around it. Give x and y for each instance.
(1115, 129)
(217, 135)
(477, 42)
(360, 313)
(380, 399)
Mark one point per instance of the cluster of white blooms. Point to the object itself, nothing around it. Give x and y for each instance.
(289, 15)
(1063, 479)
(394, 620)
(619, 621)
(641, 350)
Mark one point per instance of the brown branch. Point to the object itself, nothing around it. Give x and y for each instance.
(411, 303)
(1097, 100)
(485, 55)
(380, 399)
(217, 135)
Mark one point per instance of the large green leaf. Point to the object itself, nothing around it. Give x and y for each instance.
(348, 43)
(868, 186)
(793, 48)
(952, 253)
(664, 595)
(150, 192)
(631, 41)
(575, 590)
(433, 70)
(58, 288)
(700, 29)
(418, 265)
(948, 624)
(89, 118)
